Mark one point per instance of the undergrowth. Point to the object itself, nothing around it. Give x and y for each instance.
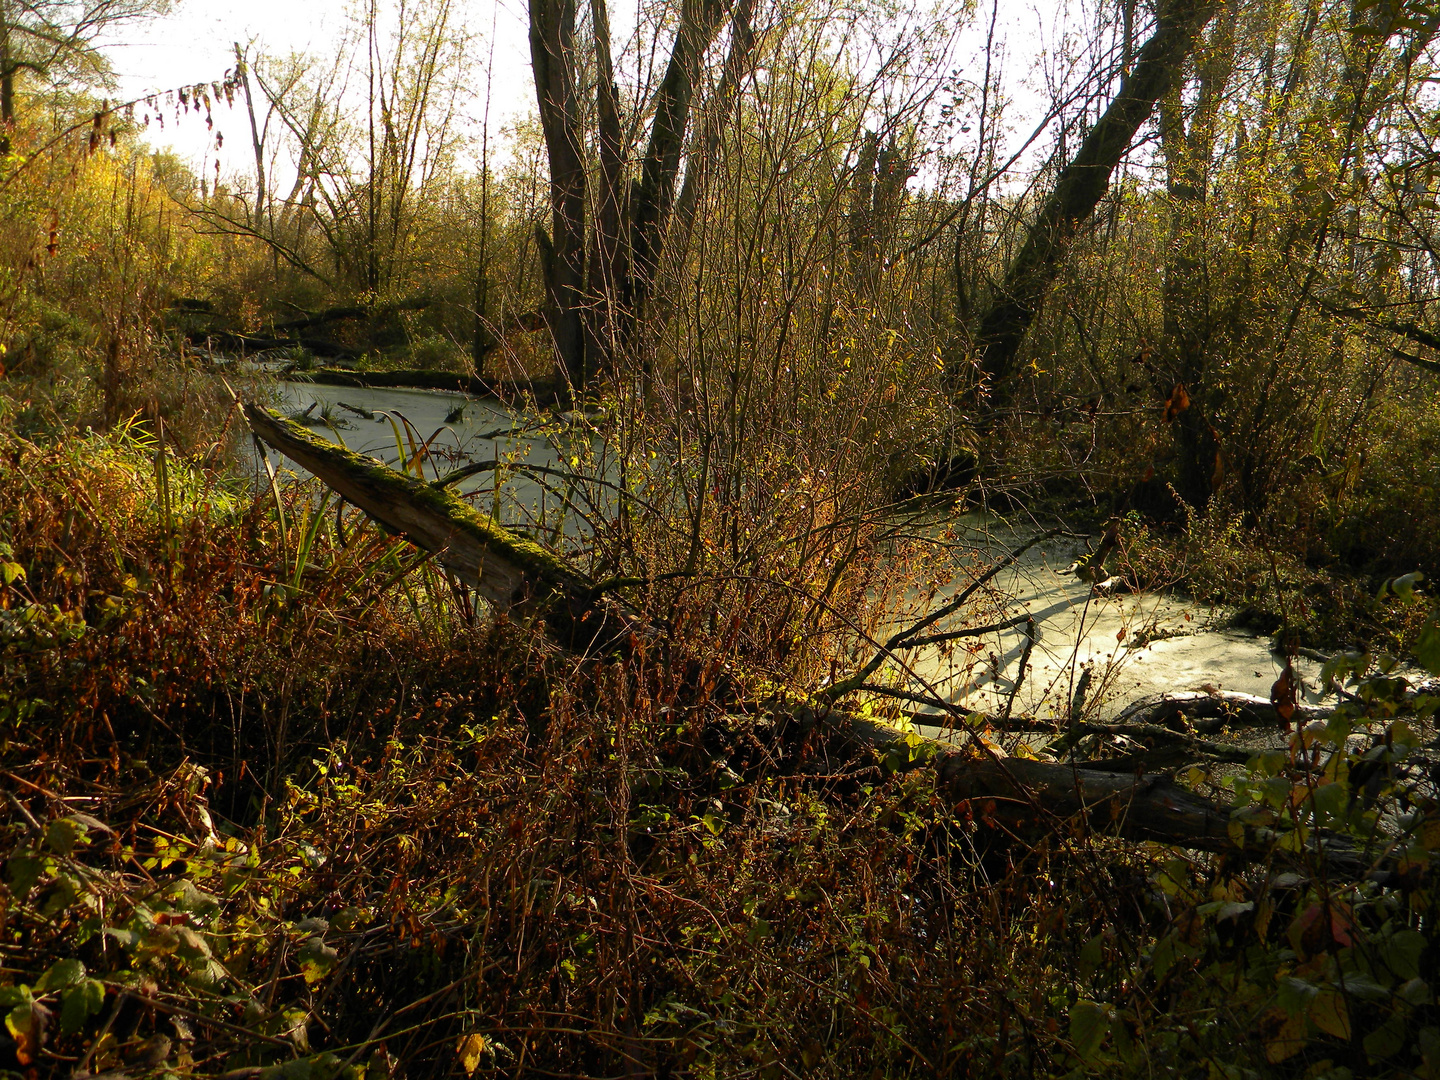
(281, 804)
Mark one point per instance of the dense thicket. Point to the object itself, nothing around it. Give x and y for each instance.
(286, 799)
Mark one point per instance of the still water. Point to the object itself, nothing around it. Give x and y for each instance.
(1131, 646)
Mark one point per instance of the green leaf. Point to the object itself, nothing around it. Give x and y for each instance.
(1164, 956)
(11, 572)
(1404, 587)
(24, 871)
(206, 974)
(184, 896)
(60, 976)
(62, 834)
(1402, 952)
(190, 945)
(1429, 1042)
(1386, 1040)
(1295, 995)
(126, 939)
(1089, 1024)
(316, 959)
(78, 1004)
(66, 891)
(1427, 646)
(1091, 955)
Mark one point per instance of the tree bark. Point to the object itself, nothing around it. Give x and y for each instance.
(609, 268)
(651, 202)
(562, 251)
(738, 65)
(7, 81)
(1081, 185)
(1188, 149)
(599, 284)
(243, 69)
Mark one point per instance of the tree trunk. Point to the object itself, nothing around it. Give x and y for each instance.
(609, 268)
(707, 145)
(562, 250)
(651, 202)
(483, 340)
(243, 69)
(7, 82)
(1185, 296)
(1082, 184)
(599, 284)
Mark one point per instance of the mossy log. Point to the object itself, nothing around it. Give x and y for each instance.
(1023, 796)
(509, 571)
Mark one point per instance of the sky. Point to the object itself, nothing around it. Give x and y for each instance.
(195, 44)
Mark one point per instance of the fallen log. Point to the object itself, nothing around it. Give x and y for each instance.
(1205, 713)
(1020, 795)
(343, 313)
(252, 343)
(512, 573)
(543, 391)
(1028, 798)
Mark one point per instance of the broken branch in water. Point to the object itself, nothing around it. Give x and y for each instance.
(901, 639)
(968, 632)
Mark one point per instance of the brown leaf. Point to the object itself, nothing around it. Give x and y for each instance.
(1178, 403)
(1282, 694)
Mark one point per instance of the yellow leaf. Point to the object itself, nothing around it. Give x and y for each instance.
(1331, 1015)
(1288, 1041)
(471, 1049)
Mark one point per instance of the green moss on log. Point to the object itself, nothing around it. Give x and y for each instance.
(540, 565)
